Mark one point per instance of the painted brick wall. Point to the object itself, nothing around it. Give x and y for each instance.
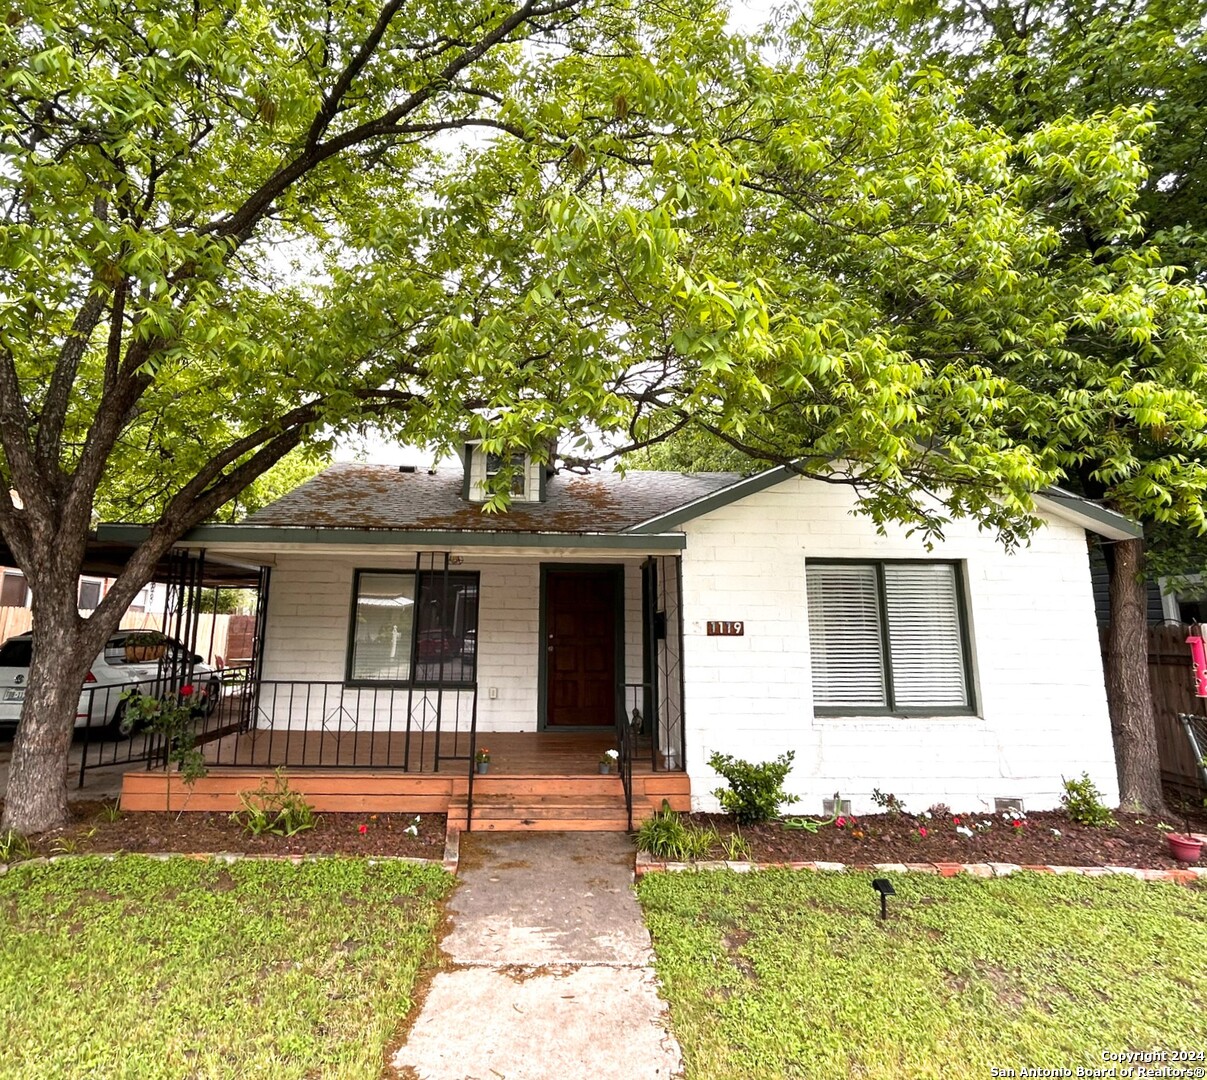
(310, 603)
(1040, 691)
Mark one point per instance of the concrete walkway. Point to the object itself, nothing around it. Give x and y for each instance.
(549, 971)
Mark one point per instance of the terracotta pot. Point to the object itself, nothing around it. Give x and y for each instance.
(1184, 847)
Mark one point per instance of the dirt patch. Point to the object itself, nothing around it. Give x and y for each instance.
(335, 834)
(1047, 838)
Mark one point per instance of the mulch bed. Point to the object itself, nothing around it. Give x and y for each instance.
(895, 838)
(334, 834)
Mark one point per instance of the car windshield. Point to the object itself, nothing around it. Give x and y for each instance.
(16, 652)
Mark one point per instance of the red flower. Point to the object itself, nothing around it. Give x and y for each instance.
(1018, 824)
(186, 691)
(363, 829)
(955, 821)
(922, 830)
(841, 822)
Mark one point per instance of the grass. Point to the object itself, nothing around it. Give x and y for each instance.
(183, 968)
(782, 974)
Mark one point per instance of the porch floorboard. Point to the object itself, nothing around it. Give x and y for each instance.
(512, 753)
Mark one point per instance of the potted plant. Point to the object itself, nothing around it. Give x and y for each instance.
(482, 760)
(607, 761)
(1185, 847)
(144, 645)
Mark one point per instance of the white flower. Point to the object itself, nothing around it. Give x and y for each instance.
(963, 830)
(613, 754)
(411, 830)
(1055, 832)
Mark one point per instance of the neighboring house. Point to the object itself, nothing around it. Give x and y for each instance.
(748, 616)
(14, 591)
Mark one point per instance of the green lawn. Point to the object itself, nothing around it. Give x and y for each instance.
(782, 974)
(140, 968)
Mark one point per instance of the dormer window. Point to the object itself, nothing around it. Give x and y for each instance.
(527, 476)
(519, 470)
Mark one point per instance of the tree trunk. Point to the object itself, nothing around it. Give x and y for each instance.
(64, 648)
(1133, 725)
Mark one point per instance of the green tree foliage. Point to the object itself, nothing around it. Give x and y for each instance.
(1119, 399)
(232, 230)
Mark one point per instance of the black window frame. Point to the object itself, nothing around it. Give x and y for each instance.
(411, 681)
(890, 710)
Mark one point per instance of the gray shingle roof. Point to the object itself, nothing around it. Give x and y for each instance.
(354, 496)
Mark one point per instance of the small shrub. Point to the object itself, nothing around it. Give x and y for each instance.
(886, 800)
(1083, 803)
(755, 792)
(940, 810)
(14, 847)
(276, 810)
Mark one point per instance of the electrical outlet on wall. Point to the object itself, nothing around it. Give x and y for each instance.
(493, 692)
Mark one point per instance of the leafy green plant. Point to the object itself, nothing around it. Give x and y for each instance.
(172, 717)
(887, 801)
(1083, 803)
(275, 810)
(736, 847)
(755, 792)
(110, 812)
(14, 847)
(665, 835)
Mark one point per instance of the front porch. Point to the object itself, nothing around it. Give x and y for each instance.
(536, 781)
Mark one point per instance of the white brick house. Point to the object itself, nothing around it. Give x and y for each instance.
(745, 616)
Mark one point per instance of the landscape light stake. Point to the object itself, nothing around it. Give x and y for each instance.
(885, 888)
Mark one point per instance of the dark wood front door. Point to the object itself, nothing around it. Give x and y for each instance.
(580, 648)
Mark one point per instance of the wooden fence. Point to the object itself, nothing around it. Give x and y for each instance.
(1171, 678)
(228, 636)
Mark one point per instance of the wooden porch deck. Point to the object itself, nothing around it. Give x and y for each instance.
(512, 753)
(543, 780)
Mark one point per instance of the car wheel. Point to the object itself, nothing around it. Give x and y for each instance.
(115, 723)
(213, 694)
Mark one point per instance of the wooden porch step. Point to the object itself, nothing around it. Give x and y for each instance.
(515, 812)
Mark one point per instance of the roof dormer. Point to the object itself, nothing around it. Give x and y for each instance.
(527, 475)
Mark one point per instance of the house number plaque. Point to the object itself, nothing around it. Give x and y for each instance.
(720, 628)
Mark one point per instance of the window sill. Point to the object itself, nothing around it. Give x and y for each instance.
(937, 715)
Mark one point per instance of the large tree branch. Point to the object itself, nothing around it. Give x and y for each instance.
(240, 224)
(58, 395)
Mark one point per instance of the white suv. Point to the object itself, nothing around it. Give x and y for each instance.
(111, 675)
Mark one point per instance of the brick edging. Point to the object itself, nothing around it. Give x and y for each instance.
(225, 857)
(646, 864)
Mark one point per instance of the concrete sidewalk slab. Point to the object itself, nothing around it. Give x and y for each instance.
(546, 898)
(550, 968)
(577, 1022)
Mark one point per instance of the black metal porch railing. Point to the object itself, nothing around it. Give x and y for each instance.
(219, 694)
(320, 725)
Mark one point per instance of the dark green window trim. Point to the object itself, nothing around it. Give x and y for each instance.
(418, 684)
(890, 710)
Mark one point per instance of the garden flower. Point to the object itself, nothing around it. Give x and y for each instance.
(186, 691)
(1018, 824)
(841, 822)
(964, 830)
(1055, 832)
(955, 821)
(922, 830)
(363, 829)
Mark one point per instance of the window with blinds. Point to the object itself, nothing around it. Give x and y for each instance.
(887, 637)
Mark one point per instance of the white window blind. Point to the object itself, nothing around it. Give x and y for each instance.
(923, 609)
(854, 608)
(845, 637)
